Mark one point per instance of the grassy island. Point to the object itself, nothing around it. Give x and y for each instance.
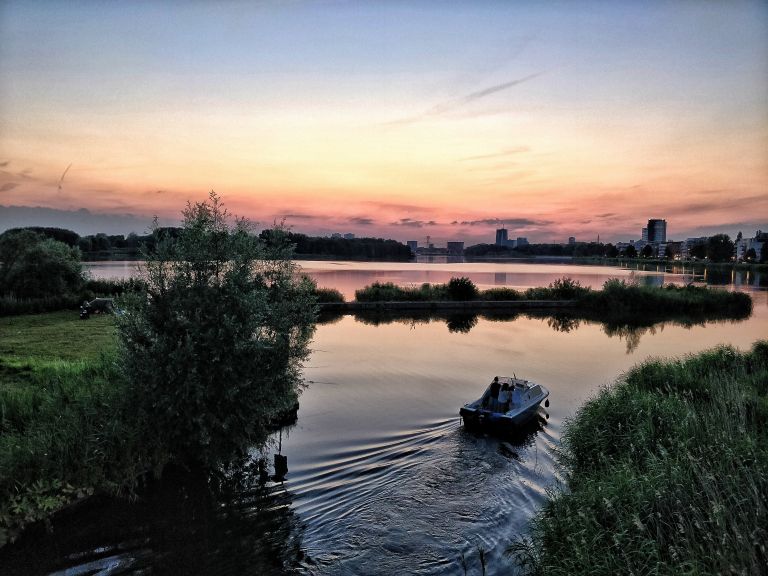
(617, 297)
(667, 473)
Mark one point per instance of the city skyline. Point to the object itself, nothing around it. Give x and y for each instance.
(388, 119)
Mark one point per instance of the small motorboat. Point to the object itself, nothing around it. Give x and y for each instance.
(524, 400)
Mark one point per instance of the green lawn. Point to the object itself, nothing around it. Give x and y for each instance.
(55, 336)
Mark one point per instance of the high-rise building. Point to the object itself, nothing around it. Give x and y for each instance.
(644, 235)
(501, 237)
(657, 231)
(571, 239)
(455, 248)
(413, 244)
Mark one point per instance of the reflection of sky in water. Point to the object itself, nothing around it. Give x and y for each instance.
(350, 276)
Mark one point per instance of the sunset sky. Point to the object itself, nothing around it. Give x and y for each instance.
(393, 119)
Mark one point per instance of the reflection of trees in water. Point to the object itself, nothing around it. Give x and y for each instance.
(628, 327)
(189, 523)
(630, 334)
(461, 323)
(563, 322)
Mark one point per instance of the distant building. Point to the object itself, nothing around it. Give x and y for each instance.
(349, 236)
(571, 239)
(501, 237)
(685, 247)
(644, 235)
(413, 245)
(757, 244)
(521, 241)
(335, 235)
(455, 248)
(657, 231)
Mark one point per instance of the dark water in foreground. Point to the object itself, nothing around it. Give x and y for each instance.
(381, 477)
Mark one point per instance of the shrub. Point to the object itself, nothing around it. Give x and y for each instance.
(500, 294)
(38, 267)
(328, 295)
(462, 289)
(213, 347)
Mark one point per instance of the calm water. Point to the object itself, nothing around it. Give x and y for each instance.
(349, 276)
(381, 477)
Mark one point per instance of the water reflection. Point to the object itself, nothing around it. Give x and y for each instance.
(629, 328)
(231, 523)
(350, 276)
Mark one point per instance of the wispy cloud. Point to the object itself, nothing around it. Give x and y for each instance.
(411, 223)
(517, 222)
(394, 206)
(362, 221)
(452, 105)
(8, 186)
(299, 216)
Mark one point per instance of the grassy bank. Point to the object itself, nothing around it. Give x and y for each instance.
(61, 408)
(617, 296)
(667, 474)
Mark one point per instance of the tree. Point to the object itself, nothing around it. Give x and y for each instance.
(213, 347)
(34, 266)
(698, 251)
(750, 255)
(673, 250)
(647, 251)
(630, 252)
(611, 251)
(720, 248)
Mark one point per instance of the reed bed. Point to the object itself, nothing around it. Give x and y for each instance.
(667, 473)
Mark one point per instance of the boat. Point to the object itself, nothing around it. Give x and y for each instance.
(524, 403)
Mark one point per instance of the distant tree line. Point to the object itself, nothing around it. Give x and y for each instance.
(94, 243)
(132, 244)
(374, 248)
(579, 249)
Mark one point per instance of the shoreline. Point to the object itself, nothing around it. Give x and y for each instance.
(462, 305)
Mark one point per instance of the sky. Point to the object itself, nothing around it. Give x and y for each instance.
(389, 119)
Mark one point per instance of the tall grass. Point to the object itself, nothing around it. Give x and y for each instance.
(63, 432)
(11, 306)
(667, 474)
(389, 292)
(621, 296)
(64, 417)
(328, 295)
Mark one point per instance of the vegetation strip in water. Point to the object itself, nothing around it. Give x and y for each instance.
(617, 296)
(667, 474)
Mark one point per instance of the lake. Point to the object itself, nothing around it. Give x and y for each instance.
(382, 478)
(350, 276)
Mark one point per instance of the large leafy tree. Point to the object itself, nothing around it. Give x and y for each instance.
(720, 248)
(213, 348)
(33, 266)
